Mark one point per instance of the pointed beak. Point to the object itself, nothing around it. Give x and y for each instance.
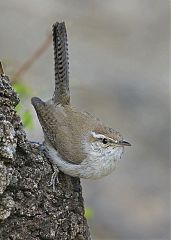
(123, 143)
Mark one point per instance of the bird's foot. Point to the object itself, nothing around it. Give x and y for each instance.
(41, 145)
(54, 177)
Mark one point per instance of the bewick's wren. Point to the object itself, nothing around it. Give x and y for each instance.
(78, 143)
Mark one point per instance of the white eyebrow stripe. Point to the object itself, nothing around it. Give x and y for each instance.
(97, 135)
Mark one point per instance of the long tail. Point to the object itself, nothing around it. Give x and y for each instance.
(61, 93)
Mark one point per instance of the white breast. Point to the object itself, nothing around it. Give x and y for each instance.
(99, 164)
(94, 166)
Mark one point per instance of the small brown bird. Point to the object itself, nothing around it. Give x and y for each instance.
(77, 143)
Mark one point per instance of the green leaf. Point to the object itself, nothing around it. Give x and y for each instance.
(27, 119)
(22, 89)
(88, 213)
(18, 108)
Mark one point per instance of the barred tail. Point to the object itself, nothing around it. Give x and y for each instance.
(61, 94)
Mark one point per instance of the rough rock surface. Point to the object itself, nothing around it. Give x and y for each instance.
(29, 209)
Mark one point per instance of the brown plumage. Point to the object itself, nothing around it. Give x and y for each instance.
(78, 143)
(63, 127)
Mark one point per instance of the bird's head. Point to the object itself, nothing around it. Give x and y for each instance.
(105, 142)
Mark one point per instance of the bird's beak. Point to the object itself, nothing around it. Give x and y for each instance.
(123, 143)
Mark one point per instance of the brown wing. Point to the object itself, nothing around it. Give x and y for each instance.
(63, 126)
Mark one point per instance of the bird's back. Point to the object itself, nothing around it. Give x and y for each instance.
(64, 126)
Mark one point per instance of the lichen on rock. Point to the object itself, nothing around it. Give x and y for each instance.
(6, 205)
(8, 140)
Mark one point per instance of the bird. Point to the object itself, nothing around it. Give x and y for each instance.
(76, 142)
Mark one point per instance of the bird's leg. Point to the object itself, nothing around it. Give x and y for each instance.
(54, 177)
(40, 145)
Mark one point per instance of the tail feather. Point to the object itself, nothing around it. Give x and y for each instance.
(61, 94)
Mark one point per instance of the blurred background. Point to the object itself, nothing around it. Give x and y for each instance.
(119, 71)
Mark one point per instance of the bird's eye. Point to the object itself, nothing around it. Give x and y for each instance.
(104, 140)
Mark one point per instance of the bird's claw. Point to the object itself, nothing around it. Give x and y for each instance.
(54, 177)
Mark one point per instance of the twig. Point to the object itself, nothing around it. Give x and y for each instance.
(1, 68)
(25, 66)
